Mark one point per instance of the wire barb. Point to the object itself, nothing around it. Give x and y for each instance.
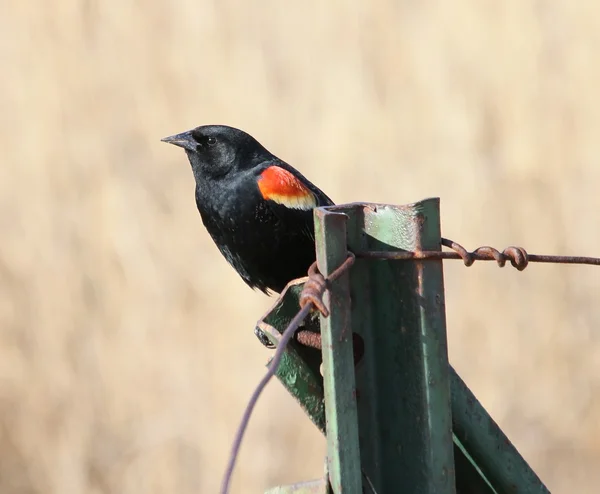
(517, 256)
(315, 286)
(313, 290)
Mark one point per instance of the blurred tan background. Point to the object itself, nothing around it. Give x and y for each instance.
(126, 345)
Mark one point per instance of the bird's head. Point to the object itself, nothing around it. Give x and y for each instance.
(216, 150)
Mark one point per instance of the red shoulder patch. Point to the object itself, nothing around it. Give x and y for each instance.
(281, 186)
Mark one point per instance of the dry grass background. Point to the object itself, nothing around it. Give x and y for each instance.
(126, 345)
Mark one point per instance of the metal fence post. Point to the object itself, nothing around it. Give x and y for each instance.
(399, 393)
(403, 389)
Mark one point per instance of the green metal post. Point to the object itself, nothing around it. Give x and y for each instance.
(488, 446)
(343, 449)
(402, 383)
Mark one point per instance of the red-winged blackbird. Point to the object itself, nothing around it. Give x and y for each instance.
(257, 208)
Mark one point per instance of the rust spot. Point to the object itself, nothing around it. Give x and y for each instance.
(309, 339)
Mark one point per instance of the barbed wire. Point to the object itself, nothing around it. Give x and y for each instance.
(518, 256)
(311, 298)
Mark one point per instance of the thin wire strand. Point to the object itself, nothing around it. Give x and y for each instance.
(272, 369)
(371, 486)
(437, 255)
(307, 303)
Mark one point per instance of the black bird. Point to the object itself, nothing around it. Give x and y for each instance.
(256, 207)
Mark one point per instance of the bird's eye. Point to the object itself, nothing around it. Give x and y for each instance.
(211, 141)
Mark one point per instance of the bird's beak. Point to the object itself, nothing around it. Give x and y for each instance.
(183, 140)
